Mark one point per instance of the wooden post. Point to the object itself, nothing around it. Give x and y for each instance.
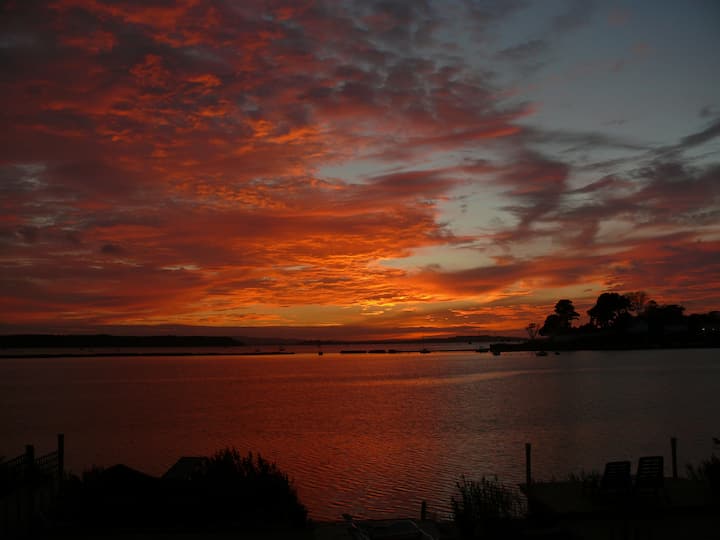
(29, 481)
(29, 459)
(673, 446)
(528, 478)
(528, 464)
(61, 458)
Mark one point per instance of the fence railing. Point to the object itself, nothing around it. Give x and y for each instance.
(48, 463)
(27, 469)
(15, 462)
(28, 487)
(13, 473)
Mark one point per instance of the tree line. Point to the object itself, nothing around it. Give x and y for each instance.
(624, 314)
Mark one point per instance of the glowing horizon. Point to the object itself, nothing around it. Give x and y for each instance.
(388, 168)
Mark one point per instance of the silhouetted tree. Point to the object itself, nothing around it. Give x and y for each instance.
(702, 325)
(623, 321)
(649, 306)
(532, 330)
(587, 328)
(565, 310)
(607, 309)
(660, 317)
(551, 325)
(636, 301)
(672, 313)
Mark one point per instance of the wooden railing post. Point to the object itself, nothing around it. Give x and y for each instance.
(528, 464)
(673, 446)
(60, 458)
(528, 478)
(29, 460)
(29, 481)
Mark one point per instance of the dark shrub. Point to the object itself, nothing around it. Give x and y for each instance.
(248, 491)
(229, 492)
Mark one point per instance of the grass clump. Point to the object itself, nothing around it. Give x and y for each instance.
(707, 471)
(486, 508)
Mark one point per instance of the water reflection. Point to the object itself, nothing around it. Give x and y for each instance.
(369, 435)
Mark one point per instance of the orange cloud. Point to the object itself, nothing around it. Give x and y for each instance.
(170, 165)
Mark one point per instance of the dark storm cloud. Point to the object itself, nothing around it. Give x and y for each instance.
(701, 137)
(523, 52)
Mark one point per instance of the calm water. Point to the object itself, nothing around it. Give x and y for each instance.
(371, 435)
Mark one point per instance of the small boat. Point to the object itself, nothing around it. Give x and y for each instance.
(424, 351)
(482, 349)
(541, 353)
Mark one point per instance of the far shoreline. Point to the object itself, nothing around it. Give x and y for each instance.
(494, 348)
(144, 354)
(552, 346)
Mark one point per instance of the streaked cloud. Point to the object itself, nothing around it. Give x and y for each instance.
(169, 163)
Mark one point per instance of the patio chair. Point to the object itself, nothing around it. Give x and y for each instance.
(650, 475)
(616, 478)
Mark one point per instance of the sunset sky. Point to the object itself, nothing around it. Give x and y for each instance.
(353, 168)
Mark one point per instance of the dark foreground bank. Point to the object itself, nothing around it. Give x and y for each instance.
(230, 495)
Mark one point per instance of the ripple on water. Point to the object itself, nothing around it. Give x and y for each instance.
(369, 436)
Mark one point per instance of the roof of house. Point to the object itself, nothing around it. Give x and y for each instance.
(121, 478)
(185, 467)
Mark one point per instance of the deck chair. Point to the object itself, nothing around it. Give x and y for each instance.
(650, 476)
(616, 478)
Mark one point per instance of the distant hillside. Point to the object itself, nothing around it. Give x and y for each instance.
(37, 341)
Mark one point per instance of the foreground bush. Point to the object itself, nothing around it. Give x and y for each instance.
(230, 491)
(248, 490)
